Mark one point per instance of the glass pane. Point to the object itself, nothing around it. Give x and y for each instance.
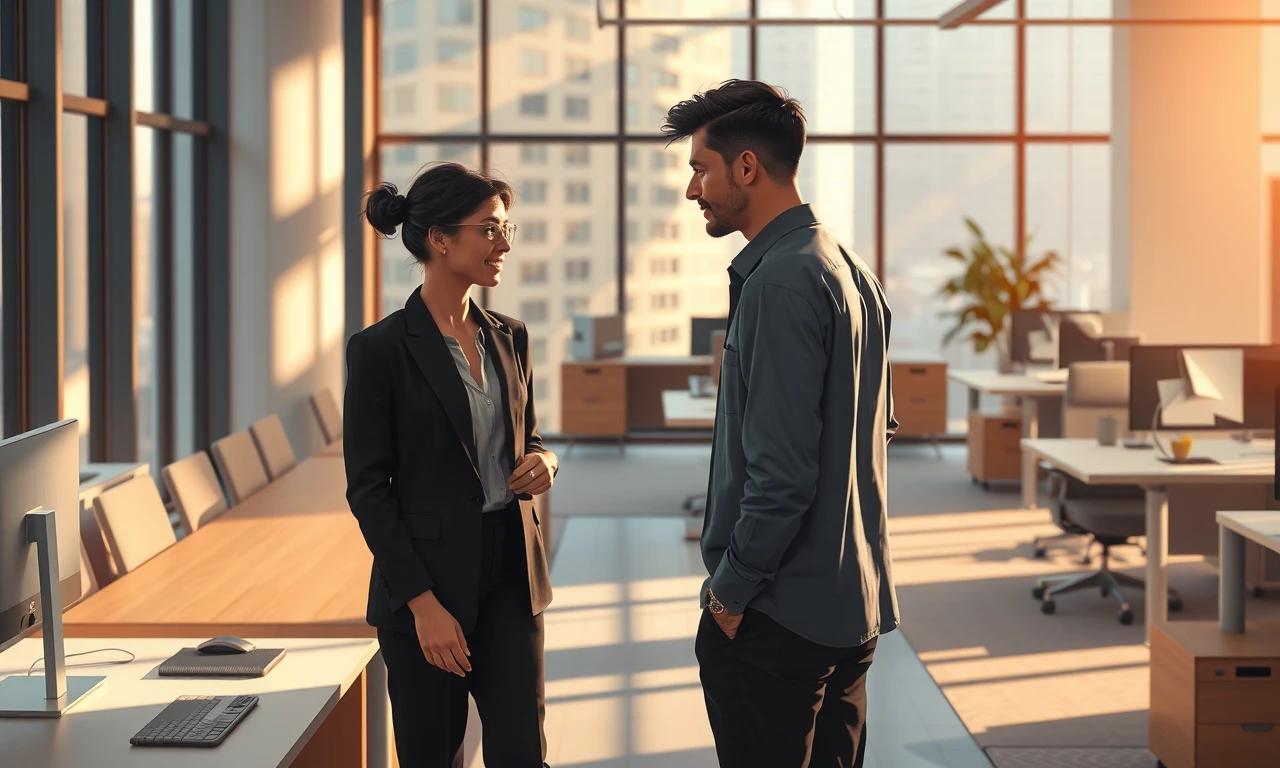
(183, 63)
(932, 9)
(675, 270)
(839, 179)
(838, 93)
(1070, 9)
(687, 9)
(401, 163)
(1068, 80)
(949, 81)
(144, 46)
(565, 253)
(555, 70)
(430, 66)
(1069, 211)
(817, 9)
(1271, 70)
(929, 191)
(75, 275)
(185, 284)
(668, 64)
(74, 40)
(144, 259)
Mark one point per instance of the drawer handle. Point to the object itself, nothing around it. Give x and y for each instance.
(1010, 425)
(1253, 672)
(919, 400)
(918, 371)
(591, 371)
(1257, 727)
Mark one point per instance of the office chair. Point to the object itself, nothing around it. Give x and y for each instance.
(240, 466)
(193, 487)
(273, 445)
(325, 407)
(134, 522)
(1112, 516)
(1094, 389)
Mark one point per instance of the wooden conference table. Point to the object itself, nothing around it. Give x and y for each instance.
(289, 562)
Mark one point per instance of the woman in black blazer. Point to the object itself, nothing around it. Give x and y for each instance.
(443, 459)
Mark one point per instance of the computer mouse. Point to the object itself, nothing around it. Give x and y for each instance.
(222, 646)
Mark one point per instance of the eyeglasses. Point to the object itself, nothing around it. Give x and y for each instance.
(491, 231)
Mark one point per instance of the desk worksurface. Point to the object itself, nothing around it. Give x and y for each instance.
(295, 698)
(681, 409)
(1096, 464)
(288, 562)
(1007, 384)
(1262, 527)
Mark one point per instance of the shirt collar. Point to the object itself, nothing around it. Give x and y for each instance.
(791, 219)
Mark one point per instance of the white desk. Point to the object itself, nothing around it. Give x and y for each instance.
(1242, 464)
(296, 698)
(1029, 389)
(1234, 527)
(681, 409)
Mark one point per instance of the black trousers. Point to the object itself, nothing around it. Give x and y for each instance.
(429, 705)
(777, 700)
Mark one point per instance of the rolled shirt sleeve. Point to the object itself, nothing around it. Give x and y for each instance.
(783, 359)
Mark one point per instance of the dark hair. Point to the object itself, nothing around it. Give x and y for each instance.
(742, 115)
(441, 197)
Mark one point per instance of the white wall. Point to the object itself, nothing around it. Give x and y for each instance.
(1188, 234)
(286, 212)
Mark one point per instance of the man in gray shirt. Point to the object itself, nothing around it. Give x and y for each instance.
(794, 537)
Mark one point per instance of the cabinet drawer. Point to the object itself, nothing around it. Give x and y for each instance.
(925, 418)
(605, 380)
(1232, 703)
(586, 418)
(1237, 746)
(919, 379)
(1251, 670)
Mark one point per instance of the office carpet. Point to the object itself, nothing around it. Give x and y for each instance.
(1031, 688)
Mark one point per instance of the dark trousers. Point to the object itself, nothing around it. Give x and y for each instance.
(429, 705)
(777, 700)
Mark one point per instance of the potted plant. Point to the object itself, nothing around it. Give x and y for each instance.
(995, 283)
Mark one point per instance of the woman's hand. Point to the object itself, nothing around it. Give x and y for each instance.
(533, 475)
(440, 635)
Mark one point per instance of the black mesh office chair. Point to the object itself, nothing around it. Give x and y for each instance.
(1113, 516)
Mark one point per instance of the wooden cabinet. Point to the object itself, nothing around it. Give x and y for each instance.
(594, 399)
(920, 398)
(1215, 697)
(995, 445)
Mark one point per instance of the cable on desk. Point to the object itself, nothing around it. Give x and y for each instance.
(132, 656)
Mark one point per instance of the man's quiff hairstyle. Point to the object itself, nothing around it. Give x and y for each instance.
(741, 115)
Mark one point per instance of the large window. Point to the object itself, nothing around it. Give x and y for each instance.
(954, 139)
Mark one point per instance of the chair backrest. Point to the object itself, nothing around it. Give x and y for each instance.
(237, 460)
(273, 446)
(1095, 389)
(195, 490)
(325, 407)
(134, 522)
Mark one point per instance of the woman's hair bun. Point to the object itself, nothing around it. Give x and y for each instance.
(386, 209)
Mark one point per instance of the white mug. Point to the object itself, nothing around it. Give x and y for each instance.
(1108, 430)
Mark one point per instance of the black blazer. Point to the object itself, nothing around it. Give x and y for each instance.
(412, 481)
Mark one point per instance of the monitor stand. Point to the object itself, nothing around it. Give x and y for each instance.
(53, 693)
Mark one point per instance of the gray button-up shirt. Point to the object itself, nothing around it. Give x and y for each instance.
(796, 503)
(490, 428)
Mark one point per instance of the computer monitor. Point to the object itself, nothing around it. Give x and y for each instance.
(1214, 388)
(40, 562)
(1082, 340)
(1033, 334)
(700, 332)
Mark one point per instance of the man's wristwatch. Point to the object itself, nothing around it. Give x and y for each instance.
(715, 606)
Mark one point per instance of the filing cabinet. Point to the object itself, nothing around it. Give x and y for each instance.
(920, 398)
(995, 445)
(594, 399)
(1215, 697)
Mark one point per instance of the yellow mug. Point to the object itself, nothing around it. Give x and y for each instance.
(1181, 448)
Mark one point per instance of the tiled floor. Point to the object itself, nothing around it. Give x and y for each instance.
(622, 679)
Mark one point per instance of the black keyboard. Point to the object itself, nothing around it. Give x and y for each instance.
(195, 721)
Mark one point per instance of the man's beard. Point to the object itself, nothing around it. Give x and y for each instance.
(724, 216)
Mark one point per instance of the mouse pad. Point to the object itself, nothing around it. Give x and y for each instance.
(189, 662)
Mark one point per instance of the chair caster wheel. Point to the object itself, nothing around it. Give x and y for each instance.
(1175, 604)
(1038, 592)
(1040, 552)
(1126, 617)
(974, 479)
(1105, 591)
(986, 486)
(1047, 607)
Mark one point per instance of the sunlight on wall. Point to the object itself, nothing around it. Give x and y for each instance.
(75, 399)
(680, 587)
(293, 136)
(586, 628)
(332, 282)
(586, 595)
(293, 320)
(670, 721)
(588, 731)
(667, 620)
(330, 118)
